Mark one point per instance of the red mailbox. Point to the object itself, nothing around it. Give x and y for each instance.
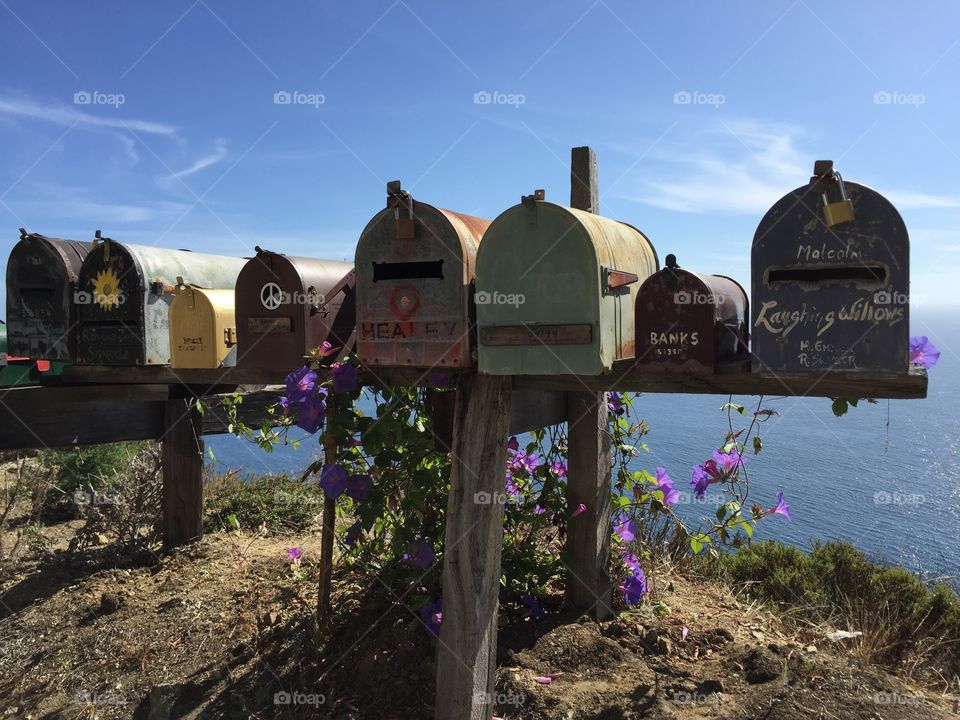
(688, 322)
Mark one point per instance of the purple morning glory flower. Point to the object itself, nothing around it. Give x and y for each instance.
(632, 562)
(727, 461)
(626, 528)
(345, 377)
(533, 607)
(700, 481)
(301, 384)
(359, 486)
(333, 480)
(432, 616)
(421, 554)
(923, 352)
(614, 403)
(294, 554)
(311, 412)
(512, 487)
(512, 444)
(782, 508)
(326, 350)
(634, 587)
(559, 469)
(284, 404)
(353, 533)
(531, 462)
(538, 510)
(665, 484)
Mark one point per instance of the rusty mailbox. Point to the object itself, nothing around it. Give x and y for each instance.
(124, 313)
(203, 329)
(830, 281)
(415, 272)
(42, 275)
(688, 322)
(556, 290)
(288, 306)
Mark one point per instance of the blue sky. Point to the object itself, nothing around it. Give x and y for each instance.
(157, 122)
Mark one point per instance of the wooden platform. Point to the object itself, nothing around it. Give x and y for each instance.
(731, 380)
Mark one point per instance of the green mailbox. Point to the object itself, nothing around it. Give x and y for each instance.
(555, 290)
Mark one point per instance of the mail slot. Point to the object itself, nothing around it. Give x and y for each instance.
(556, 289)
(42, 275)
(127, 292)
(203, 329)
(830, 276)
(415, 271)
(288, 306)
(688, 322)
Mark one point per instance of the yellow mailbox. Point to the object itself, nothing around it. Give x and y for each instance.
(203, 329)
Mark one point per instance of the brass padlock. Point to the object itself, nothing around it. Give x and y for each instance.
(405, 227)
(840, 211)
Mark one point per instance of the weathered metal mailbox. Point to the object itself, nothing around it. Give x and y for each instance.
(288, 306)
(415, 272)
(129, 289)
(42, 275)
(830, 281)
(556, 290)
(203, 329)
(688, 322)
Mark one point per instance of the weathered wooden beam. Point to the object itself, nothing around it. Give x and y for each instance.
(588, 456)
(466, 655)
(738, 380)
(182, 455)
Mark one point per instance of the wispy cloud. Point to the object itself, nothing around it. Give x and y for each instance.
(66, 116)
(218, 153)
(743, 168)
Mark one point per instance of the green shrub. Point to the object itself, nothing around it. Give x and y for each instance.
(84, 468)
(285, 504)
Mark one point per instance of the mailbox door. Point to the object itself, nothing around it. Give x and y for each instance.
(413, 293)
(830, 298)
(198, 319)
(543, 305)
(276, 301)
(675, 323)
(42, 275)
(111, 317)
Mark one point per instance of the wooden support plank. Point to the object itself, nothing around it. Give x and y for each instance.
(182, 457)
(740, 381)
(466, 655)
(588, 457)
(54, 424)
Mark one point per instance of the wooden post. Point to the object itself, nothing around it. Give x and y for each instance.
(588, 472)
(467, 652)
(182, 456)
(327, 534)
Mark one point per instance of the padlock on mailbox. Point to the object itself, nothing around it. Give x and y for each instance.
(415, 272)
(202, 327)
(688, 322)
(556, 289)
(289, 306)
(830, 281)
(42, 297)
(130, 290)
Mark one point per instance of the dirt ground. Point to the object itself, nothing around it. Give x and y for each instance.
(224, 628)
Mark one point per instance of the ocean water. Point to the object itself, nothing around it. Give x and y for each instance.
(885, 477)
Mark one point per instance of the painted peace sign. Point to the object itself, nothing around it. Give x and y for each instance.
(271, 296)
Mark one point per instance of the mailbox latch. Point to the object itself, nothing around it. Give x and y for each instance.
(230, 336)
(615, 280)
(404, 223)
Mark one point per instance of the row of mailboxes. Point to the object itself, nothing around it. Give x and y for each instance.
(543, 289)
